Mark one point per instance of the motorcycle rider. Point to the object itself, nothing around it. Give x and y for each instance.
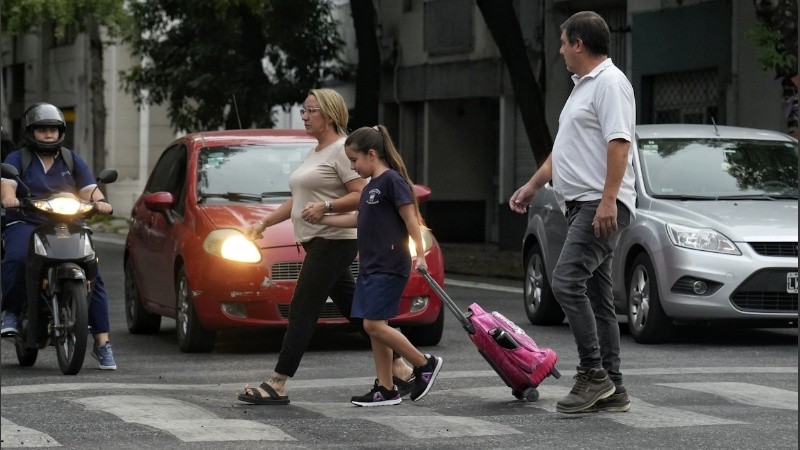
(43, 132)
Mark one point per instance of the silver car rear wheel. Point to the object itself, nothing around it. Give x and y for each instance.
(541, 306)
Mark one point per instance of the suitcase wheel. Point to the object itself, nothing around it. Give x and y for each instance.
(530, 394)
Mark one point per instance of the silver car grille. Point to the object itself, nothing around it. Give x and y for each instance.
(775, 248)
(765, 291)
(289, 271)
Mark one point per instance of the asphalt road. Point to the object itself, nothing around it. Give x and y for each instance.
(711, 388)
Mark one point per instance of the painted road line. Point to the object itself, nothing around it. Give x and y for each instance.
(366, 381)
(485, 286)
(415, 422)
(184, 420)
(641, 415)
(746, 393)
(15, 436)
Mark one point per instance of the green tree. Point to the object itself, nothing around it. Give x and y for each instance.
(226, 63)
(86, 16)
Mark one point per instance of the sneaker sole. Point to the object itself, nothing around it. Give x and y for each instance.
(394, 401)
(610, 408)
(8, 333)
(433, 378)
(587, 407)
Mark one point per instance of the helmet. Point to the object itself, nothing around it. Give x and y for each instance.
(43, 115)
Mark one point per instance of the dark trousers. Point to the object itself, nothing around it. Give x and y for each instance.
(15, 242)
(325, 273)
(582, 286)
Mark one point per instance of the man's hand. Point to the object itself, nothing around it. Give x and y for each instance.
(605, 219)
(103, 207)
(520, 200)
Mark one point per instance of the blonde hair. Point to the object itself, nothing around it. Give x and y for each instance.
(377, 138)
(332, 106)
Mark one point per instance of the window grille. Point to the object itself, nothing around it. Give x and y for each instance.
(685, 97)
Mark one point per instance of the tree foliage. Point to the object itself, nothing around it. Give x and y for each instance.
(218, 62)
(776, 34)
(18, 16)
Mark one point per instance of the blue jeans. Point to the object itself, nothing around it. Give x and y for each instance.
(15, 241)
(582, 286)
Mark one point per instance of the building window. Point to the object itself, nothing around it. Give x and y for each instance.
(448, 26)
(685, 97)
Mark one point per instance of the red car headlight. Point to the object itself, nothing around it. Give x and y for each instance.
(232, 245)
(427, 242)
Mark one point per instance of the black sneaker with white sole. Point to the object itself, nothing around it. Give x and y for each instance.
(424, 377)
(403, 387)
(378, 396)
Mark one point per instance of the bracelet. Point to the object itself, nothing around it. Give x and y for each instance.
(328, 206)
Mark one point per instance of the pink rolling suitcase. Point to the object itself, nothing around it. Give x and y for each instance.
(505, 346)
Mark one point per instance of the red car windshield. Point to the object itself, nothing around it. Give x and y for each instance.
(247, 172)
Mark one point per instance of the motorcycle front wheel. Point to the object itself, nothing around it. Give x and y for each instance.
(73, 314)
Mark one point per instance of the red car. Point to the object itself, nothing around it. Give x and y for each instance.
(186, 256)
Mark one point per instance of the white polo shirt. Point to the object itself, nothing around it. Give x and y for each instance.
(600, 108)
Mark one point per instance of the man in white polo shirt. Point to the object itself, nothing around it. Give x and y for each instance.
(592, 174)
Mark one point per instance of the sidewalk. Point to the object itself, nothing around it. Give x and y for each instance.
(473, 259)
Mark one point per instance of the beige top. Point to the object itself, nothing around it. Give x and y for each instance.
(320, 177)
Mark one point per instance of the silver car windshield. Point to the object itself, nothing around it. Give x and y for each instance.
(247, 172)
(718, 168)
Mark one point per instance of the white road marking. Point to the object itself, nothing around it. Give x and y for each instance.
(15, 436)
(746, 393)
(641, 414)
(566, 371)
(413, 421)
(187, 422)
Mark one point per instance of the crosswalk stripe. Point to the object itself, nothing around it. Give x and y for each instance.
(746, 393)
(15, 436)
(641, 415)
(414, 421)
(361, 381)
(187, 422)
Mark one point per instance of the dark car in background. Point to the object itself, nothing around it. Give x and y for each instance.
(714, 238)
(187, 256)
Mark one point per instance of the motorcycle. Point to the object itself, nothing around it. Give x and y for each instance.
(59, 267)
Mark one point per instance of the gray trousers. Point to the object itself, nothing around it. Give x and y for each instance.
(582, 286)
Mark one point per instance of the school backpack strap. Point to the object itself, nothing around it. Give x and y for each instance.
(27, 157)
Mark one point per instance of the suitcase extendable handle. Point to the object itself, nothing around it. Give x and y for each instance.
(465, 322)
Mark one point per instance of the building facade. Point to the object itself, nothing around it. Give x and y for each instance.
(446, 96)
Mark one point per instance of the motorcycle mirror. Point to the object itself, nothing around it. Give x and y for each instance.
(107, 176)
(9, 171)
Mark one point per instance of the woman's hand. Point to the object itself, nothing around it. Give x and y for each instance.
(103, 207)
(255, 229)
(313, 212)
(10, 202)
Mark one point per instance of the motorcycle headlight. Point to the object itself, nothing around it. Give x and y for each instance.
(67, 206)
(427, 242)
(232, 245)
(704, 239)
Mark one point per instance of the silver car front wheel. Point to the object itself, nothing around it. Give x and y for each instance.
(647, 321)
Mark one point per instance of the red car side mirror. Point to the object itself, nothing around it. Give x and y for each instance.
(422, 192)
(159, 201)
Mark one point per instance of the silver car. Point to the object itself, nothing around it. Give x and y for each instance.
(714, 238)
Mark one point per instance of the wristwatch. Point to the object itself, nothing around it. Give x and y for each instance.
(328, 206)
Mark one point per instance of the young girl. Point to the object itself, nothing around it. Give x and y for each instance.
(388, 213)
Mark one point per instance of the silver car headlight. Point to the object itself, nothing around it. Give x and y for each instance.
(427, 242)
(232, 245)
(704, 239)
